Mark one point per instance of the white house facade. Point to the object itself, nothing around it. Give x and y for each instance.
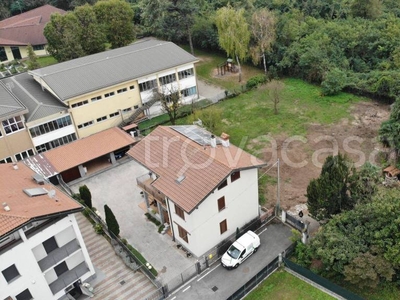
(199, 185)
(42, 252)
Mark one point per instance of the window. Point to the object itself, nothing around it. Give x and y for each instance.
(80, 103)
(186, 73)
(167, 79)
(94, 99)
(183, 234)
(50, 126)
(114, 114)
(55, 143)
(3, 55)
(235, 176)
(110, 94)
(132, 87)
(24, 154)
(126, 110)
(101, 118)
(189, 92)
(120, 91)
(38, 47)
(136, 107)
(13, 125)
(223, 226)
(221, 203)
(147, 85)
(25, 295)
(50, 245)
(6, 160)
(10, 273)
(61, 268)
(223, 184)
(86, 124)
(179, 211)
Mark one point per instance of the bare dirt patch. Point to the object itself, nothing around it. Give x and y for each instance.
(301, 158)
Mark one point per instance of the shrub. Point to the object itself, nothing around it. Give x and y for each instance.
(161, 228)
(334, 82)
(255, 81)
(86, 195)
(111, 221)
(98, 228)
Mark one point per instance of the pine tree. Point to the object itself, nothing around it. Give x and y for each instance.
(111, 221)
(86, 196)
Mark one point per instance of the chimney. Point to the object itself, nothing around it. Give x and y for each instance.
(6, 207)
(15, 166)
(213, 141)
(225, 139)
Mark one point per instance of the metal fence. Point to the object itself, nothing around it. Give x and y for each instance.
(323, 282)
(213, 255)
(159, 294)
(293, 221)
(260, 276)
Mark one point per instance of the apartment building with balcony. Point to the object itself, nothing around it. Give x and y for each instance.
(42, 252)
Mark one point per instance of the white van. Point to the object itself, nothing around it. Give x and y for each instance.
(240, 250)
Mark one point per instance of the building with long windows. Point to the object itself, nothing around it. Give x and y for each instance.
(42, 252)
(75, 99)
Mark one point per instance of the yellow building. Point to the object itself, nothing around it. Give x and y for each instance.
(19, 31)
(106, 89)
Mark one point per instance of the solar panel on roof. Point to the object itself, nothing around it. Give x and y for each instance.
(196, 134)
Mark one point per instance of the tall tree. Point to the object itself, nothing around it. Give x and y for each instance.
(368, 9)
(61, 34)
(86, 195)
(111, 221)
(92, 38)
(233, 33)
(389, 133)
(329, 194)
(117, 17)
(263, 29)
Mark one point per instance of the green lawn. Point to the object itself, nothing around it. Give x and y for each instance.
(46, 61)
(284, 286)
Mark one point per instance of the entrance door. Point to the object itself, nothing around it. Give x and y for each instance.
(16, 53)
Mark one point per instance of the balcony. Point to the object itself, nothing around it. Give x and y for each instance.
(54, 257)
(68, 277)
(144, 182)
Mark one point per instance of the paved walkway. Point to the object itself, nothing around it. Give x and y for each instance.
(114, 280)
(117, 188)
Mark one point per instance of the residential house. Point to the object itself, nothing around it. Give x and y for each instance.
(19, 31)
(202, 186)
(71, 100)
(42, 252)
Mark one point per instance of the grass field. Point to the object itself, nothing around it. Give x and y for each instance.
(46, 61)
(284, 286)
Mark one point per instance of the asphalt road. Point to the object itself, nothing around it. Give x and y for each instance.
(218, 283)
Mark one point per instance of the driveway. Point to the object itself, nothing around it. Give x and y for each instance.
(117, 188)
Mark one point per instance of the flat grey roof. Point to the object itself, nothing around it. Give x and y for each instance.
(90, 73)
(40, 103)
(10, 106)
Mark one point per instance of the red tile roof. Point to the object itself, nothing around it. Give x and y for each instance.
(170, 155)
(22, 207)
(81, 151)
(27, 28)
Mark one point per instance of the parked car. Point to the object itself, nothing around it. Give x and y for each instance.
(240, 250)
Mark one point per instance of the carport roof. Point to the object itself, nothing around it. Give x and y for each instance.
(14, 178)
(189, 171)
(71, 155)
